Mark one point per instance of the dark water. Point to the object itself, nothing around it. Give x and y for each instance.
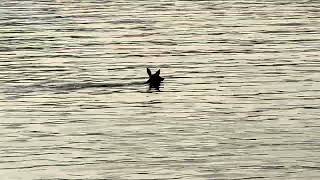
(240, 98)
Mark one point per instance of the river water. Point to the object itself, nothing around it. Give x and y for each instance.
(240, 97)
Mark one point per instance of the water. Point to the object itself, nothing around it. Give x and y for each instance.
(240, 97)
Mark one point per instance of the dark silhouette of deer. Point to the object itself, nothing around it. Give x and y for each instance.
(154, 80)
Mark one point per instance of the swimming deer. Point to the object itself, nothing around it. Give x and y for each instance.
(154, 80)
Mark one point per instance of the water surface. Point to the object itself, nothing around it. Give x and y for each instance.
(240, 98)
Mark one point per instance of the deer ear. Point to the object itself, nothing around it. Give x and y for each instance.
(157, 73)
(149, 72)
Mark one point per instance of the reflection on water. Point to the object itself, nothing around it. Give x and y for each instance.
(240, 101)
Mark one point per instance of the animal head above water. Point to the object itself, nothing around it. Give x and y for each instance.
(154, 79)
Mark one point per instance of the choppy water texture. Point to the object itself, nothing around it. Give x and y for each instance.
(240, 98)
